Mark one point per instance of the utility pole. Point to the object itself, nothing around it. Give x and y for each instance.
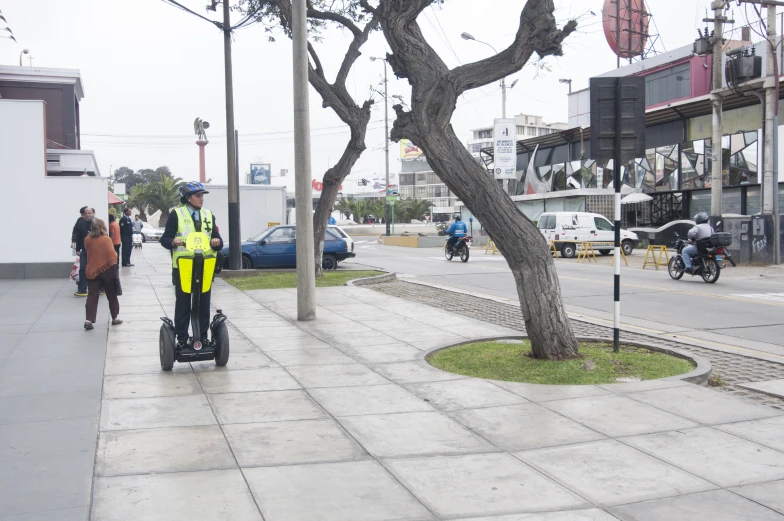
(717, 104)
(503, 98)
(387, 209)
(235, 241)
(306, 267)
(770, 192)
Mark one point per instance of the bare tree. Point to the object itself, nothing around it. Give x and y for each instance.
(347, 15)
(435, 89)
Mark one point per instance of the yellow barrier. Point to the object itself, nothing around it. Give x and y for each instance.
(491, 246)
(652, 250)
(411, 241)
(585, 251)
(622, 255)
(553, 249)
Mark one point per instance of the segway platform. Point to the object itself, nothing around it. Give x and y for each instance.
(196, 274)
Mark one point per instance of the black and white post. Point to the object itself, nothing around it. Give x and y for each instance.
(617, 162)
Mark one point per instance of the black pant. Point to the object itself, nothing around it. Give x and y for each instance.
(127, 245)
(81, 286)
(105, 281)
(117, 251)
(182, 311)
(451, 242)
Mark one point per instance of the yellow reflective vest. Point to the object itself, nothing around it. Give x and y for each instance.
(185, 226)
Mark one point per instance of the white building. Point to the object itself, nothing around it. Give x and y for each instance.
(528, 126)
(42, 170)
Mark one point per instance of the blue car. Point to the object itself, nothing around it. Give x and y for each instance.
(276, 248)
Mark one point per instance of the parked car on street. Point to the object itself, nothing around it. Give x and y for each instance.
(276, 248)
(582, 226)
(340, 232)
(150, 233)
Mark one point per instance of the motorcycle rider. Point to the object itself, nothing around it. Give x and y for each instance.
(456, 231)
(700, 231)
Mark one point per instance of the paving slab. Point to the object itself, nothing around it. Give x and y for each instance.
(771, 387)
(51, 383)
(611, 473)
(247, 380)
(291, 442)
(414, 372)
(714, 455)
(703, 405)
(769, 494)
(158, 451)
(615, 415)
(150, 364)
(268, 406)
(355, 491)
(413, 434)
(65, 514)
(48, 439)
(591, 514)
(150, 413)
(524, 426)
(766, 432)
(481, 485)
(546, 393)
(468, 393)
(57, 406)
(288, 344)
(310, 357)
(237, 362)
(368, 399)
(150, 385)
(36, 485)
(379, 354)
(340, 375)
(184, 496)
(706, 506)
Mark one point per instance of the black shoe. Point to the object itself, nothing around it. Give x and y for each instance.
(182, 343)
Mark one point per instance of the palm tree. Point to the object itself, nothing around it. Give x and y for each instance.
(416, 208)
(378, 210)
(139, 198)
(164, 196)
(344, 207)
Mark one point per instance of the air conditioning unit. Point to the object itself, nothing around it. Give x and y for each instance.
(283, 172)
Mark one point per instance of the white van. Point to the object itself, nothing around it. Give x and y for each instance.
(582, 226)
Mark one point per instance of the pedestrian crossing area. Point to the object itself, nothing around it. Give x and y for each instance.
(773, 297)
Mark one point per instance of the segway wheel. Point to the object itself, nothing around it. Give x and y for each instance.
(221, 339)
(166, 344)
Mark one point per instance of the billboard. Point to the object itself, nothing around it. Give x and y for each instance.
(504, 148)
(260, 173)
(408, 150)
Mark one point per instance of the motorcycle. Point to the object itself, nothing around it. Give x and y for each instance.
(724, 252)
(461, 249)
(707, 261)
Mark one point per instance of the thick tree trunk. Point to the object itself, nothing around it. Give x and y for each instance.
(323, 210)
(435, 90)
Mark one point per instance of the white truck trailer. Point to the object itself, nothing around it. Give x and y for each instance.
(260, 208)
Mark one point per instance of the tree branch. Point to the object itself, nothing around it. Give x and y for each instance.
(352, 54)
(537, 33)
(333, 17)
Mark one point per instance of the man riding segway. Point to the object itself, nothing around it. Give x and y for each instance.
(194, 240)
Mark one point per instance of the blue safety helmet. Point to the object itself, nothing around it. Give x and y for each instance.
(188, 189)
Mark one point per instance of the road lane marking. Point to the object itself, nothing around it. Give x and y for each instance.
(774, 297)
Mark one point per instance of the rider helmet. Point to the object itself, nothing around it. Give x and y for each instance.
(701, 217)
(188, 189)
(456, 217)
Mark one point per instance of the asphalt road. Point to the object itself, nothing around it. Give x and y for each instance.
(742, 312)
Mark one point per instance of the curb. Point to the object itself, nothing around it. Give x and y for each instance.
(698, 376)
(378, 279)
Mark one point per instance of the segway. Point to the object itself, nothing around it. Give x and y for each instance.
(196, 274)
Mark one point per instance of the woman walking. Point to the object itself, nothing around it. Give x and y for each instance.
(114, 233)
(101, 271)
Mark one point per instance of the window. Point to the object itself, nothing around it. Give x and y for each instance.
(531, 131)
(520, 130)
(543, 132)
(282, 236)
(475, 148)
(484, 134)
(602, 224)
(547, 222)
(420, 177)
(668, 84)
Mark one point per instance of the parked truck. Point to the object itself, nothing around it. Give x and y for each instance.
(260, 208)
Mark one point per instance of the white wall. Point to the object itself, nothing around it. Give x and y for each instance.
(259, 205)
(39, 210)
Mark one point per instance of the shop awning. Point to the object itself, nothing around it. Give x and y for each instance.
(113, 199)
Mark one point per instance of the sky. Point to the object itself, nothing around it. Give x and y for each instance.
(149, 69)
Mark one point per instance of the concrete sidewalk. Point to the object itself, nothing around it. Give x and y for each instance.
(340, 419)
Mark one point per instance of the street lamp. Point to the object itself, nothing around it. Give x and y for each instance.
(386, 145)
(467, 36)
(569, 81)
(24, 51)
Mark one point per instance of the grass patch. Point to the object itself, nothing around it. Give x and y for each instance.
(514, 363)
(716, 380)
(289, 280)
